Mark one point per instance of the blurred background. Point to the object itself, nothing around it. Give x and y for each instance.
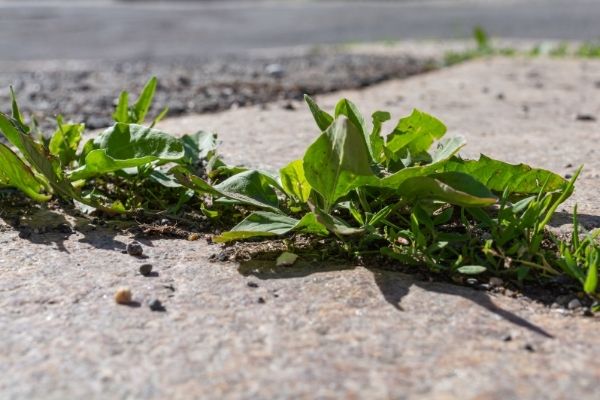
(211, 55)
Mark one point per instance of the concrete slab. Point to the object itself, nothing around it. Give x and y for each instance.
(312, 330)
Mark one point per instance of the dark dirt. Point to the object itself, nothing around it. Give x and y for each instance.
(86, 91)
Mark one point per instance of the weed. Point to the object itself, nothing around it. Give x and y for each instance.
(407, 195)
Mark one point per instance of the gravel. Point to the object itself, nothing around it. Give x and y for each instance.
(135, 249)
(86, 92)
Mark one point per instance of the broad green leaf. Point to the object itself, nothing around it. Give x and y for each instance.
(14, 172)
(199, 145)
(252, 189)
(498, 175)
(264, 223)
(254, 186)
(126, 146)
(259, 223)
(415, 134)
(471, 269)
(294, 182)
(65, 141)
(454, 188)
(121, 113)
(348, 109)
(143, 103)
(377, 142)
(338, 161)
(322, 118)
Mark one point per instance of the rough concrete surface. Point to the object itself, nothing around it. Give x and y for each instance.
(312, 330)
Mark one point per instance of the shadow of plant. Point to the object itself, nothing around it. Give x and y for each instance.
(394, 286)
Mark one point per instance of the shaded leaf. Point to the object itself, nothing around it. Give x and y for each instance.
(259, 223)
(14, 172)
(454, 188)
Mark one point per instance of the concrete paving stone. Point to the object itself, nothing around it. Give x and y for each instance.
(323, 330)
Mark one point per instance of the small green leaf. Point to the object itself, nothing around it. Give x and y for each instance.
(294, 181)
(471, 269)
(286, 259)
(446, 148)
(65, 141)
(322, 118)
(121, 113)
(415, 134)
(143, 103)
(375, 139)
(591, 280)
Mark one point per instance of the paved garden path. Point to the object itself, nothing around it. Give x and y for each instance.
(313, 330)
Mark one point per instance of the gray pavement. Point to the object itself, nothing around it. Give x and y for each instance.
(133, 30)
(316, 330)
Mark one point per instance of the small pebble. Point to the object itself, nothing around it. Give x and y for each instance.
(587, 312)
(585, 117)
(135, 249)
(156, 305)
(123, 295)
(472, 281)
(529, 348)
(506, 338)
(574, 304)
(25, 233)
(146, 269)
(252, 284)
(261, 300)
(193, 236)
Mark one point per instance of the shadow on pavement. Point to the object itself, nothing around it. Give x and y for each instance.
(394, 286)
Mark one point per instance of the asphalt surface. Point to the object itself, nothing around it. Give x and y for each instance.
(134, 30)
